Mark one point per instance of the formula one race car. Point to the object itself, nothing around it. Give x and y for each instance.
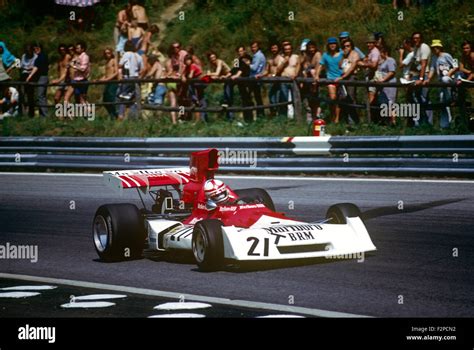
(192, 211)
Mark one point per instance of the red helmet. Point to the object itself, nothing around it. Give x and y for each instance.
(216, 191)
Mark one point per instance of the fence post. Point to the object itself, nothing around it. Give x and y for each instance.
(138, 98)
(367, 106)
(297, 103)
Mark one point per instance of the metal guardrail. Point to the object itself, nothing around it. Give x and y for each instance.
(418, 155)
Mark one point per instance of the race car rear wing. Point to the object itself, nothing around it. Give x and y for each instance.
(203, 165)
(147, 178)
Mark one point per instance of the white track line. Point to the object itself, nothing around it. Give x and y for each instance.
(173, 295)
(284, 178)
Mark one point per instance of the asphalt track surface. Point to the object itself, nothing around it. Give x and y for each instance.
(412, 274)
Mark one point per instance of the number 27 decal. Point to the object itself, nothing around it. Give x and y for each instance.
(253, 247)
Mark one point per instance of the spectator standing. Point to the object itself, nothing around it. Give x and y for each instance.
(346, 36)
(444, 67)
(348, 64)
(220, 70)
(131, 67)
(39, 74)
(195, 90)
(371, 63)
(27, 63)
(386, 71)
(271, 70)
(466, 67)
(243, 71)
(63, 78)
(309, 65)
(8, 59)
(257, 67)
(110, 89)
(421, 57)
(135, 34)
(159, 89)
(124, 18)
(80, 67)
(289, 68)
(330, 62)
(139, 13)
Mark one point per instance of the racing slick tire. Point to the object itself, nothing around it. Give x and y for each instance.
(338, 213)
(208, 245)
(118, 232)
(256, 194)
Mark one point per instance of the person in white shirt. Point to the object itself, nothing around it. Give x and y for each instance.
(9, 104)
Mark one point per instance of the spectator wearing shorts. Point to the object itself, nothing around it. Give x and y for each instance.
(80, 67)
(330, 62)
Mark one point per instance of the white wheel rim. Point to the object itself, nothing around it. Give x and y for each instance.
(101, 233)
(199, 246)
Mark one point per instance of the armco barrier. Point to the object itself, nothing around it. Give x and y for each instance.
(417, 155)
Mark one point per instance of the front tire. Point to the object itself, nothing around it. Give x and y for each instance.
(339, 213)
(208, 245)
(118, 232)
(256, 194)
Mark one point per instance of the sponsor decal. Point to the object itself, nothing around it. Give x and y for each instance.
(301, 232)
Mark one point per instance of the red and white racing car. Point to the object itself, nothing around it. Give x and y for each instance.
(192, 211)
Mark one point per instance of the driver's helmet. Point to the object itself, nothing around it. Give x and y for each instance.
(216, 191)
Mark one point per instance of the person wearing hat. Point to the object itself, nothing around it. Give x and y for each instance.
(444, 66)
(330, 61)
(346, 36)
(370, 63)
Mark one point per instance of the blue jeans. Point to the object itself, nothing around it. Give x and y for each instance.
(445, 97)
(274, 96)
(129, 90)
(285, 93)
(157, 97)
(420, 96)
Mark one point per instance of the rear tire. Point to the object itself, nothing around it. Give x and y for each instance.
(118, 232)
(256, 194)
(339, 213)
(208, 245)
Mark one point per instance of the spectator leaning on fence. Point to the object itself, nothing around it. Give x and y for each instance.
(220, 70)
(271, 70)
(466, 66)
(348, 64)
(405, 62)
(39, 74)
(156, 71)
(346, 36)
(330, 62)
(5, 62)
(444, 67)
(421, 57)
(195, 90)
(385, 73)
(110, 89)
(9, 104)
